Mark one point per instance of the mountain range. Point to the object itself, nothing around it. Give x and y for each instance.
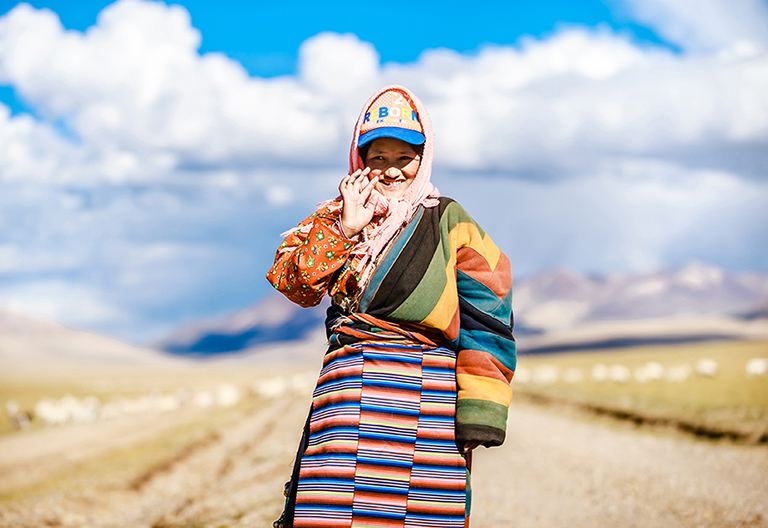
(29, 343)
(554, 311)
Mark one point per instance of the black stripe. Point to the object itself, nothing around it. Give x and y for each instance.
(411, 264)
(473, 319)
(485, 434)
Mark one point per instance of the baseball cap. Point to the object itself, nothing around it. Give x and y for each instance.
(391, 115)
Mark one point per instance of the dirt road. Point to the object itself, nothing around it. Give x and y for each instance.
(554, 471)
(559, 471)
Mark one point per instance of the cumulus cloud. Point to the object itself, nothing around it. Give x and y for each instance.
(713, 25)
(635, 216)
(580, 149)
(143, 102)
(135, 82)
(62, 300)
(557, 106)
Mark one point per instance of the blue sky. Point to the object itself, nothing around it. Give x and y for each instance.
(265, 37)
(150, 153)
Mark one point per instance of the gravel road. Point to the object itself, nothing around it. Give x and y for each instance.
(555, 470)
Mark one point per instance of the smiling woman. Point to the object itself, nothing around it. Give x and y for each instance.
(420, 331)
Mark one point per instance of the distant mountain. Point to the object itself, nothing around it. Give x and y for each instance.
(26, 342)
(274, 320)
(561, 299)
(552, 309)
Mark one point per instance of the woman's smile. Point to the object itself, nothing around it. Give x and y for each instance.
(395, 162)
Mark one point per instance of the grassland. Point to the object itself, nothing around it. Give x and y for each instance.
(729, 405)
(127, 451)
(225, 466)
(27, 387)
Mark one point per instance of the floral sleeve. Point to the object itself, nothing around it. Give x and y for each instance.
(308, 259)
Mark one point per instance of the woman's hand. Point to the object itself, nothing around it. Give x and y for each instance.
(357, 209)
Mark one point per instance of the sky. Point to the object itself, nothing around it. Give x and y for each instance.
(151, 153)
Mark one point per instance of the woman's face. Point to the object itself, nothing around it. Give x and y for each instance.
(395, 162)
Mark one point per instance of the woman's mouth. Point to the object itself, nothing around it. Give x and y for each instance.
(391, 184)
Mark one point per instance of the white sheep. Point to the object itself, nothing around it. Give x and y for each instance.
(227, 395)
(572, 375)
(51, 412)
(757, 367)
(204, 399)
(303, 383)
(17, 418)
(651, 371)
(677, 374)
(546, 375)
(270, 388)
(707, 368)
(619, 373)
(168, 403)
(599, 373)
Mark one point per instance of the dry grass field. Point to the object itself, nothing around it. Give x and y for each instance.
(660, 385)
(211, 446)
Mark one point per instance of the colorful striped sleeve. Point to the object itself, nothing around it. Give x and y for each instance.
(308, 259)
(486, 347)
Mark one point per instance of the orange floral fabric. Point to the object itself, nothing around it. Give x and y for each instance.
(313, 259)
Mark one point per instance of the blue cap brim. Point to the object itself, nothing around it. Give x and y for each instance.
(403, 134)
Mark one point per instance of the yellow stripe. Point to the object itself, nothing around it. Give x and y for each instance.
(492, 252)
(481, 388)
(440, 317)
(463, 234)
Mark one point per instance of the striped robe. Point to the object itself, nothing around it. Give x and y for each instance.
(431, 335)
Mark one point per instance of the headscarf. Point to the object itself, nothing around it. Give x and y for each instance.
(396, 212)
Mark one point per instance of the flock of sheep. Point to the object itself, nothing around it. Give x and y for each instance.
(90, 409)
(70, 409)
(651, 371)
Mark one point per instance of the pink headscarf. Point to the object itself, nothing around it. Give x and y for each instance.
(396, 211)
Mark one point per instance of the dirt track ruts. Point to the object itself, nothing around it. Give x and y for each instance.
(555, 470)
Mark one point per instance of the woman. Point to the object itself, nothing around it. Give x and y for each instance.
(421, 349)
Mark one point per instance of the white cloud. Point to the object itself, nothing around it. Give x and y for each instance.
(705, 26)
(580, 149)
(570, 102)
(338, 64)
(61, 300)
(135, 82)
(628, 217)
(144, 102)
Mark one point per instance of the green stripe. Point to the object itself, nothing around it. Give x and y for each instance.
(455, 214)
(481, 412)
(425, 296)
(389, 259)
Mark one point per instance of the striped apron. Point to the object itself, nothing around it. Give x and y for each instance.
(381, 449)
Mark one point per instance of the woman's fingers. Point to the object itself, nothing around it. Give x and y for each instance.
(361, 178)
(372, 203)
(356, 181)
(365, 192)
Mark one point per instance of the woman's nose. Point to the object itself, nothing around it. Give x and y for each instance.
(392, 172)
